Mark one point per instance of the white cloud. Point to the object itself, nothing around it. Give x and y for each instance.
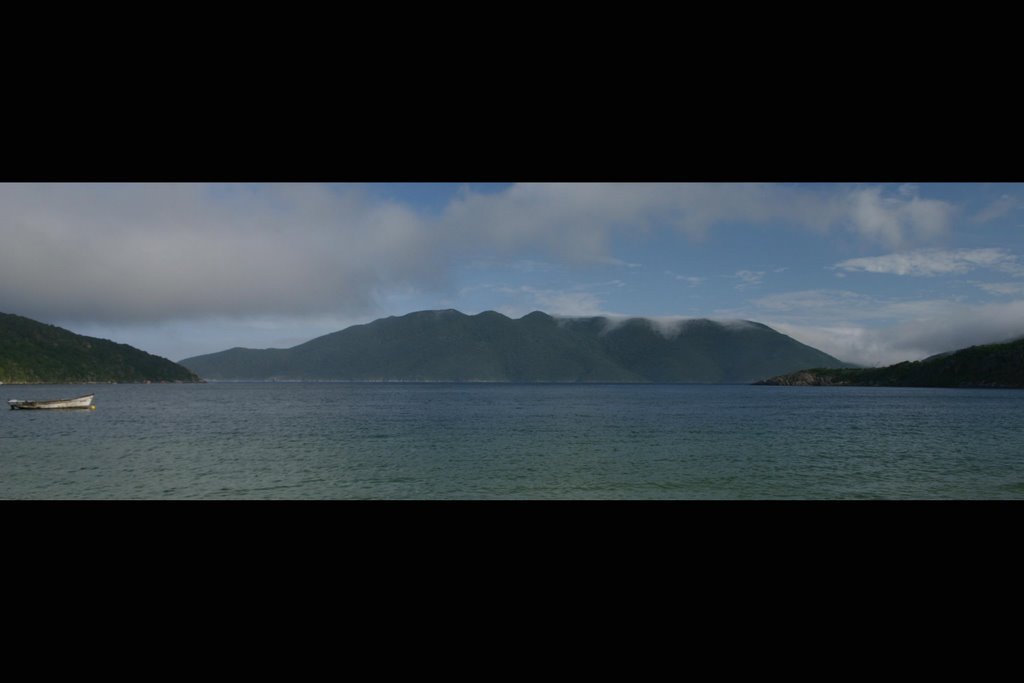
(997, 209)
(896, 221)
(1010, 267)
(624, 264)
(929, 262)
(668, 326)
(150, 252)
(691, 280)
(960, 325)
(870, 331)
(749, 278)
(849, 343)
(576, 220)
(143, 252)
(1004, 288)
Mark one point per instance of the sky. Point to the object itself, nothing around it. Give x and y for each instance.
(872, 273)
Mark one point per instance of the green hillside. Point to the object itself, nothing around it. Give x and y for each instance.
(989, 365)
(34, 352)
(451, 346)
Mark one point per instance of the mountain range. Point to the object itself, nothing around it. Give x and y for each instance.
(448, 345)
(34, 352)
(451, 346)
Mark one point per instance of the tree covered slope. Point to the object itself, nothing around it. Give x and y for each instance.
(989, 365)
(34, 352)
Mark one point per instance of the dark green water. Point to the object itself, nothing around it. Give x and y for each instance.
(487, 441)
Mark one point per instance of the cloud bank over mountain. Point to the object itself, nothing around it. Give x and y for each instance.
(281, 255)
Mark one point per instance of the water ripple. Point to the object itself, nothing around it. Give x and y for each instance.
(366, 441)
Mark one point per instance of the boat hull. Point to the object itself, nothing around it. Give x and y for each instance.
(59, 404)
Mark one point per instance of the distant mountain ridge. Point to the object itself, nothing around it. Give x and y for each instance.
(33, 352)
(984, 366)
(448, 345)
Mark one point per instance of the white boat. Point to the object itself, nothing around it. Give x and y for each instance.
(80, 402)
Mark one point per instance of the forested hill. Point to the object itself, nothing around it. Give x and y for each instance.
(989, 365)
(34, 352)
(452, 346)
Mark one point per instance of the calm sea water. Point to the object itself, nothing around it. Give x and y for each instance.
(497, 441)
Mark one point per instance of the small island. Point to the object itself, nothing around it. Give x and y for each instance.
(997, 366)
